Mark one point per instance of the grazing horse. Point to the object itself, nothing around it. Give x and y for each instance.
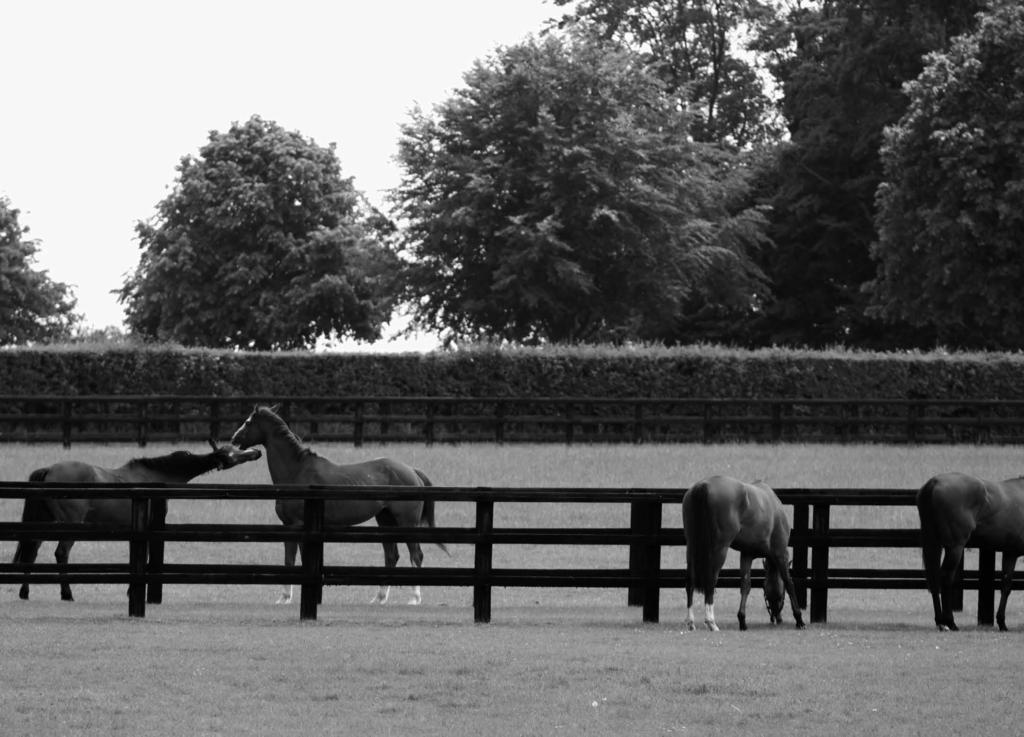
(292, 463)
(955, 507)
(178, 467)
(721, 512)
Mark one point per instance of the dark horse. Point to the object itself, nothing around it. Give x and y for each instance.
(955, 507)
(721, 512)
(180, 466)
(292, 463)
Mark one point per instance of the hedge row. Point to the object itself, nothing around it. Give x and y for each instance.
(586, 371)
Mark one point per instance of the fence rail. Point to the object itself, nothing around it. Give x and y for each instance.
(358, 419)
(812, 539)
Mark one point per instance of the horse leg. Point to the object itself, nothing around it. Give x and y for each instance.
(947, 578)
(932, 554)
(718, 560)
(62, 553)
(416, 556)
(1009, 563)
(390, 561)
(782, 561)
(746, 561)
(291, 548)
(26, 553)
(689, 605)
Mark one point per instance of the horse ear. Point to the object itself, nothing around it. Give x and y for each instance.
(276, 408)
(213, 443)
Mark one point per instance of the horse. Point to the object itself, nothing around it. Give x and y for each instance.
(955, 507)
(178, 467)
(721, 512)
(290, 462)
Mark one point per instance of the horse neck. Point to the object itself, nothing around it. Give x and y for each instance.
(142, 472)
(284, 454)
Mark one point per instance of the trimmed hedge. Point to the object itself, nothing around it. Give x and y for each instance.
(700, 371)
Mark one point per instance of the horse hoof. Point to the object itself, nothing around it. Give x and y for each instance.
(712, 626)
(691, 627)
(284, 600)
(415, 601)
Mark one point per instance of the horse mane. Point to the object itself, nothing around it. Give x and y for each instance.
(180, 462)
(281, 429)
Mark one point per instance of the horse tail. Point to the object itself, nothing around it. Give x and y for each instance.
(931, 549)
(699, 541)
(35, 510)
(427, 515)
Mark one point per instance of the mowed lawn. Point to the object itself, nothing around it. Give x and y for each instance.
(226, 660)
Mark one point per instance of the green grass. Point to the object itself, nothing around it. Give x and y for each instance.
(224, 660)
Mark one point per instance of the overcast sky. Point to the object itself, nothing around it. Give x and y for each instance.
(103, 98)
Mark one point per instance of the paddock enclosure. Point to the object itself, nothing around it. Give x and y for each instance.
(564, 536)
(446, 419)
(224, 660)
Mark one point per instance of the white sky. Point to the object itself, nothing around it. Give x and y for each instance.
(102, 98)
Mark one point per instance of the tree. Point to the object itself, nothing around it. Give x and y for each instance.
(261, 244)
(698, 48)
(33, 307)
(556, 197)
(841, 86)
(951, 208)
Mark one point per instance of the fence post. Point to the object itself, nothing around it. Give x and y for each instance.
(801, 517)
(312, 558)
(137, 548)
(637, 554)
(428, 428)
(215, 419)
(638, 423)
(986, 585)
(483, 560)
(358, 424)
(499, 422)
(157, 522)
(142, 423)
(570, 423)
(65, 423)
(819, 564)
(652, 561)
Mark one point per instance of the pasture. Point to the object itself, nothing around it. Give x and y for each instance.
(227, 661)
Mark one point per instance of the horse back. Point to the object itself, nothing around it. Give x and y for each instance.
(953, 506)
(68, 472)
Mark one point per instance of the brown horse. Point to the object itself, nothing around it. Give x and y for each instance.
(955, 507)
(178, 467)
(721, 512)
(292, 463)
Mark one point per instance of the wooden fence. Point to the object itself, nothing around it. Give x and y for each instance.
(359, 419)
(812, 539)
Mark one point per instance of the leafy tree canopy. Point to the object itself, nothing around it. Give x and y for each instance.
(261, 244)
(699, 49)
(33, 307)
(950, 250)
(842, 85)
(557, 197)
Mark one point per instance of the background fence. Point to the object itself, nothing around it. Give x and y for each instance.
(142, 419)
(812, 539)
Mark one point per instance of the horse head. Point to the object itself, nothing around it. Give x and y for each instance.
(774, 591)
(229, 456)
(254, 430)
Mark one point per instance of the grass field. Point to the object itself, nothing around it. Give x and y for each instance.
(226, 661)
